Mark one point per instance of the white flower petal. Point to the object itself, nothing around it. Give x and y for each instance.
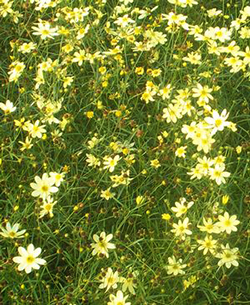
(22, 251)
(37, 252)
(30, 249)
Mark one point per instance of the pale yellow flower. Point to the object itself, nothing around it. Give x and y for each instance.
(118, 299)
(102, 244)
(44, 30)
(181, 229)
(12, 231)
(43, 186)
(8, 107)
(228, 256)
(175, 267)
(227, 223)
(110, 280)
(207, 245)
(29, 259)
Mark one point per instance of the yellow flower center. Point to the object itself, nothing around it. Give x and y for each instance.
(203, 93)
(102, 244)
(183, 210)
(227, 223)
(205, 166)
(181, 228)
(209, 227)
(45, 32)
(218, 122)
(48, 207)
(35, 128)
(228, 255)
(18, 68)
(58, 177)
(208, 244)
(112, 163)
(217, 173)
(110, 280)
(30, 259)
(12, 234)
(45, 188)
(175, 267)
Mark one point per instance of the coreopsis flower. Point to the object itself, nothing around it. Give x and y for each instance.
(245, 13)
(181, 229)
(165, 92)
(219, 160)
(121, 179)
(218, 174)
(193, 58)
(12, 231)
(176, 20)
(153, 38)
(29, 258)
(148, 96)
(35, 130)
(57, 177)
(102, 244)
(189, 130)
(155, 163)
(190, 282)
(180, 207)
(165, 216)
(106, 194)
(67, 81)
(172, 113)
(233, 49)
(208, 244)
(228, 256)
(235, 63)
(247, 56)
(205, 164)
(213, 12)
(43, 4)
(82, 32)
(196, 172)
(181, 152)
(43, 186)
(203, 140)
(129, 282)
(175, 267)
(16, 69)
(47, 207)
(203, 93)
(26, 145)
(92, 160)
(183, 3)
(8, 107)
(124, 21)
(221, 34)
(27, 47)
(110, 280)
(44, 30)
(227, 223)
(209, 227)
(130, 159)
(118, 299)
(217, 122)
(79, 57)
(110, 163)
